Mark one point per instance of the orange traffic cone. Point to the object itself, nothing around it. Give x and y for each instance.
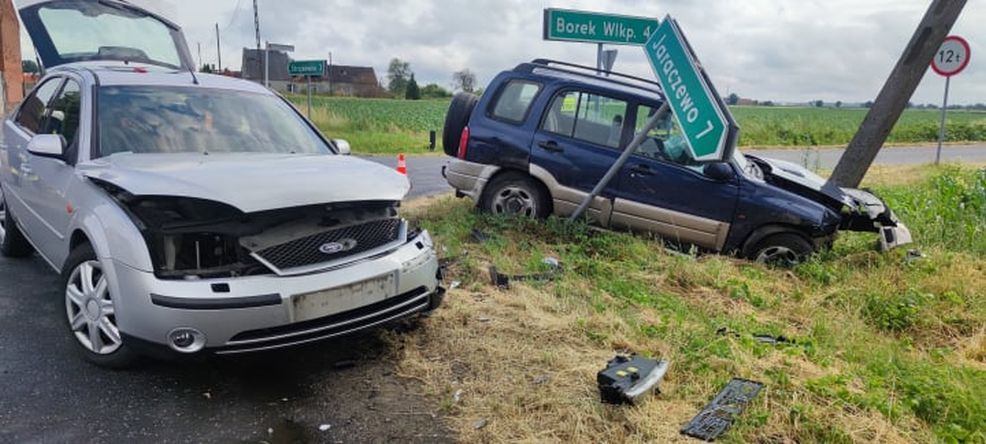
(401, 164)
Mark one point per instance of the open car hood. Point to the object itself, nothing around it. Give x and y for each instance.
(251, 182)
(68, 31)
(801, 177)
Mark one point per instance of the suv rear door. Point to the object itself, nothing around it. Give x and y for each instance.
(67, 31)
(579, 137)
(663, 190)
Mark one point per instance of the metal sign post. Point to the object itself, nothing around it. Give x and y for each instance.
(308, 69)
(951, 59)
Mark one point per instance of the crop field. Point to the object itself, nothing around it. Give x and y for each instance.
(390, 126)
(882, 347)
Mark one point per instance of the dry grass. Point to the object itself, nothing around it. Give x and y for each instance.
(523, 361)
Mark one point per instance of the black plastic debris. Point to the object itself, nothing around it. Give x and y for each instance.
(771, 339)
(913, 256)
(629, 379)
(720, 414)
(480, 236)
(502, 281)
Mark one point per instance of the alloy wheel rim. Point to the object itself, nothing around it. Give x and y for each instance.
(778, 255)
(90, 309)
(514, 201)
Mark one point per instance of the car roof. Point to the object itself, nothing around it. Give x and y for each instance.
(139, 74)
(573, 74)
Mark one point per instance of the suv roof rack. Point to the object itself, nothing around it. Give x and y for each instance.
(588, 71)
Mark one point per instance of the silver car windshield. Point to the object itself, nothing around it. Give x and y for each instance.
(154, 119)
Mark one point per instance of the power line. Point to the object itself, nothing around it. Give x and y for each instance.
(236, 13)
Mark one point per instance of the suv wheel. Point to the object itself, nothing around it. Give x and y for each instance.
(12, 241)
(91, 312)
(456, 120)
(515, 194)
(784, 249)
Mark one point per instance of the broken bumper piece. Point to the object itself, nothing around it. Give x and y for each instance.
(628, 380)
(873, 214)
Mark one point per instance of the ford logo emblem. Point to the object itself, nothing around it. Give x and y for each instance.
(337, 247)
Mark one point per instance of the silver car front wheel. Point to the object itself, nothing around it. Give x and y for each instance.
(90, 309)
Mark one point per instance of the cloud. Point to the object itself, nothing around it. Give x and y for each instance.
(765, 49)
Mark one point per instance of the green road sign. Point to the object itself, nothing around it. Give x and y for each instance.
(704, 119)
(310, 68)
(593, 27)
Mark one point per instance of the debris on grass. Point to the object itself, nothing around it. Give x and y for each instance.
(480, 236)
(629, 379)
(716, 418)
(479, 423)
(324, 427)
(502, 281)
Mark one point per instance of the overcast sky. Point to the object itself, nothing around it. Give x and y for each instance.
(779, 50)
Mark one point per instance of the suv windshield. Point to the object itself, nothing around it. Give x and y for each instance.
(145, 119)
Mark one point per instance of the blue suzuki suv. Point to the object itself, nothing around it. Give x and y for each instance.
(545, 133)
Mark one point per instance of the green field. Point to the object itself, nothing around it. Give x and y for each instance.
(390, 126)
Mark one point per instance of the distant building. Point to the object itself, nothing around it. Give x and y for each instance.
(253, 68)
(357, 81)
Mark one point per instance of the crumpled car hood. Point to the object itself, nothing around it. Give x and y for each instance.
(801, 176)
(251, 182)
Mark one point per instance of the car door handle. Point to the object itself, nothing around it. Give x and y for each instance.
(642, 170)
(551, 146)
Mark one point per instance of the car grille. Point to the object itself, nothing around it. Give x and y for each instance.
(307, 251)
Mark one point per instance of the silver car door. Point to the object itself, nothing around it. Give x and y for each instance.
(17, 133)
(48, 196)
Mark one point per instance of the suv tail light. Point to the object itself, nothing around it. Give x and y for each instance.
(464, 143)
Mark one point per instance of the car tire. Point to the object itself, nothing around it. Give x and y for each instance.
(12, 241)
(516, 194)
(456, 120)
(90, 312)
(783, 249)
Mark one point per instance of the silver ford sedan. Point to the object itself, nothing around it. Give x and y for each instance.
(193, 213)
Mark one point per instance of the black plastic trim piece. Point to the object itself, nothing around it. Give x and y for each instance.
(216, 303)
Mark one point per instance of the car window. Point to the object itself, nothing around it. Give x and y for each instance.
(665, 141)
(35, 106)
(588, 117)
(150, 119)
(515, 100)
(65, 112)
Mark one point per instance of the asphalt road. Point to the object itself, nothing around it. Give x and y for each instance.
(425, 172)
(49, 394)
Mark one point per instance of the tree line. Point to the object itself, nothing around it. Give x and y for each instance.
(402, 84)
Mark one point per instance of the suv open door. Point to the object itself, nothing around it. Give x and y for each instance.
(68, 31)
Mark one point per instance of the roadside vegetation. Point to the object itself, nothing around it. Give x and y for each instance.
(886, 348)
(391, 126)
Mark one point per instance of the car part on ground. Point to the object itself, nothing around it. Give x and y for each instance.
(716, 418)
(502, 281)
(456, 120)
(630, 379)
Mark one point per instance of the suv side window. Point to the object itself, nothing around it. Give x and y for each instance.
(515, 100)
(665, 142)
(64, 117)
(32, 112)
(588, 117)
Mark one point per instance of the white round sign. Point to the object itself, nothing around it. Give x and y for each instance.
(952, 57)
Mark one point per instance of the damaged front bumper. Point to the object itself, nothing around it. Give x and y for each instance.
(254, 313)
(869, 213)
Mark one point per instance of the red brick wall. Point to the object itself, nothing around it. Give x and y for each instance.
(10, 53)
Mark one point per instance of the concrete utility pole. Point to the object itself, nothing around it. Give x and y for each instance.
(11, 76)
(219, 52)
(893, 98)
(256, 28)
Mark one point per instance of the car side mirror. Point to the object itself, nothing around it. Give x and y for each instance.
(343, 147)
(719, 171)
(47, 145)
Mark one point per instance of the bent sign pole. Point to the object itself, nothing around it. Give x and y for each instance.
(703, 117)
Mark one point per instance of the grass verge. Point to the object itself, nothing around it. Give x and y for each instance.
(886, 349)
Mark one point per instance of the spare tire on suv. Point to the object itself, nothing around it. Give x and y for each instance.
(456, 120)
